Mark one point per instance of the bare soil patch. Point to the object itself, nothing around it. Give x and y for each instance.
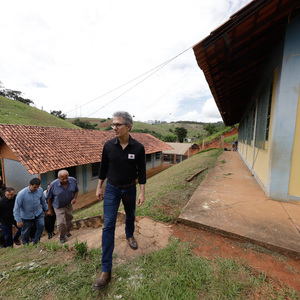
(279, 269)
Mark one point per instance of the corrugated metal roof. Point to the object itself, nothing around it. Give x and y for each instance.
(178, 148)
(42, 149)
(234, 55)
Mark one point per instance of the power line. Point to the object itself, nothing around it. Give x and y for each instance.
(153, 70)
(170, 88)
(128, 90)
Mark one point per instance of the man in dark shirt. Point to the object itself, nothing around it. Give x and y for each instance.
(2, 189)
(123, 161)
(7, 218)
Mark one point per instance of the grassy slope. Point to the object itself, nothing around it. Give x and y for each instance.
(194, 129)
(14, 112)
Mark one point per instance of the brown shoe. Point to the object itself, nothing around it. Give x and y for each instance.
(132, 243)
(102, 281)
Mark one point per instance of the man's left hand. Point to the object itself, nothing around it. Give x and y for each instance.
(73, 201)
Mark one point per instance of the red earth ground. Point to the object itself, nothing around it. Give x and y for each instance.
(217, 142)
(278, 269)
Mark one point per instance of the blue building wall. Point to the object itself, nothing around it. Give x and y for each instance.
(285, 114)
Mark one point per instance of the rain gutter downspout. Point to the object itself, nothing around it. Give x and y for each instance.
(254, 134)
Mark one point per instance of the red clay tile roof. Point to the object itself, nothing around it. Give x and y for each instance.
(42, 149)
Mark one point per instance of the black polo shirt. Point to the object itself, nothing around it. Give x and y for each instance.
(6, 211)
(123, 166)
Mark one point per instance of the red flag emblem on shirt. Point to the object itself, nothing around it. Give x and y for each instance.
(131, 156)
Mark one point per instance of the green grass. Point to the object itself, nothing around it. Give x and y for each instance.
(15, 112)
(95, 209)
(175, 273)
(168, 192)
(80, 249)
(231, 139)
(216, 135)
(35, 272)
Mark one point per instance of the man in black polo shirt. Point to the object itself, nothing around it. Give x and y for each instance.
(123, 161)
(7, 218)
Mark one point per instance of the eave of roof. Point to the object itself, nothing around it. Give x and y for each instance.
(42, 149)
(234, 55)
(178, 148)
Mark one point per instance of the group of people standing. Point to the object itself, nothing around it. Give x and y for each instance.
(30, 212)
(123, 163)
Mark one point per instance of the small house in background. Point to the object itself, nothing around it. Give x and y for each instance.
(37, 151)
(180, 152)
(252, 66)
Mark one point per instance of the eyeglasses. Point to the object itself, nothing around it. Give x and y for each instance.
(118, 125)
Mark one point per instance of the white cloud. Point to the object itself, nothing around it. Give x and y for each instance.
(210, 110)
(63, 54)
(208, 113)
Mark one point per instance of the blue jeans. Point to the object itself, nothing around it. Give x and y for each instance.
(9, 239)
(39, 222)
(112, 199)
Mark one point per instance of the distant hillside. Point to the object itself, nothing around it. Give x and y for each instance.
(14, 112)
(195, 130)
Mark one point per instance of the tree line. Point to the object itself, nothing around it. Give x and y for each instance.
(17, 95)
(14, 95)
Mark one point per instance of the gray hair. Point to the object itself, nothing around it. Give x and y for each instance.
(61, 171)
(126, 116)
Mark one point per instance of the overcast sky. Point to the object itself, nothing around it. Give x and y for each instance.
(90, 58)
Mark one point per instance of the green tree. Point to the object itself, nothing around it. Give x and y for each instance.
(210, 128)
(14, 95)
(58, 113)
(84, 124)
(181, 133)
(170, 138)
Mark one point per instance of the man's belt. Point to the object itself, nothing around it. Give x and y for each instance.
(122, 186)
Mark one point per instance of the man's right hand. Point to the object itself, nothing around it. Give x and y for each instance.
(49, 212)
(20, 224)
(100, 193)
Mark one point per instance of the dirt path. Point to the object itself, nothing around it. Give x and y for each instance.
(151, 236)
